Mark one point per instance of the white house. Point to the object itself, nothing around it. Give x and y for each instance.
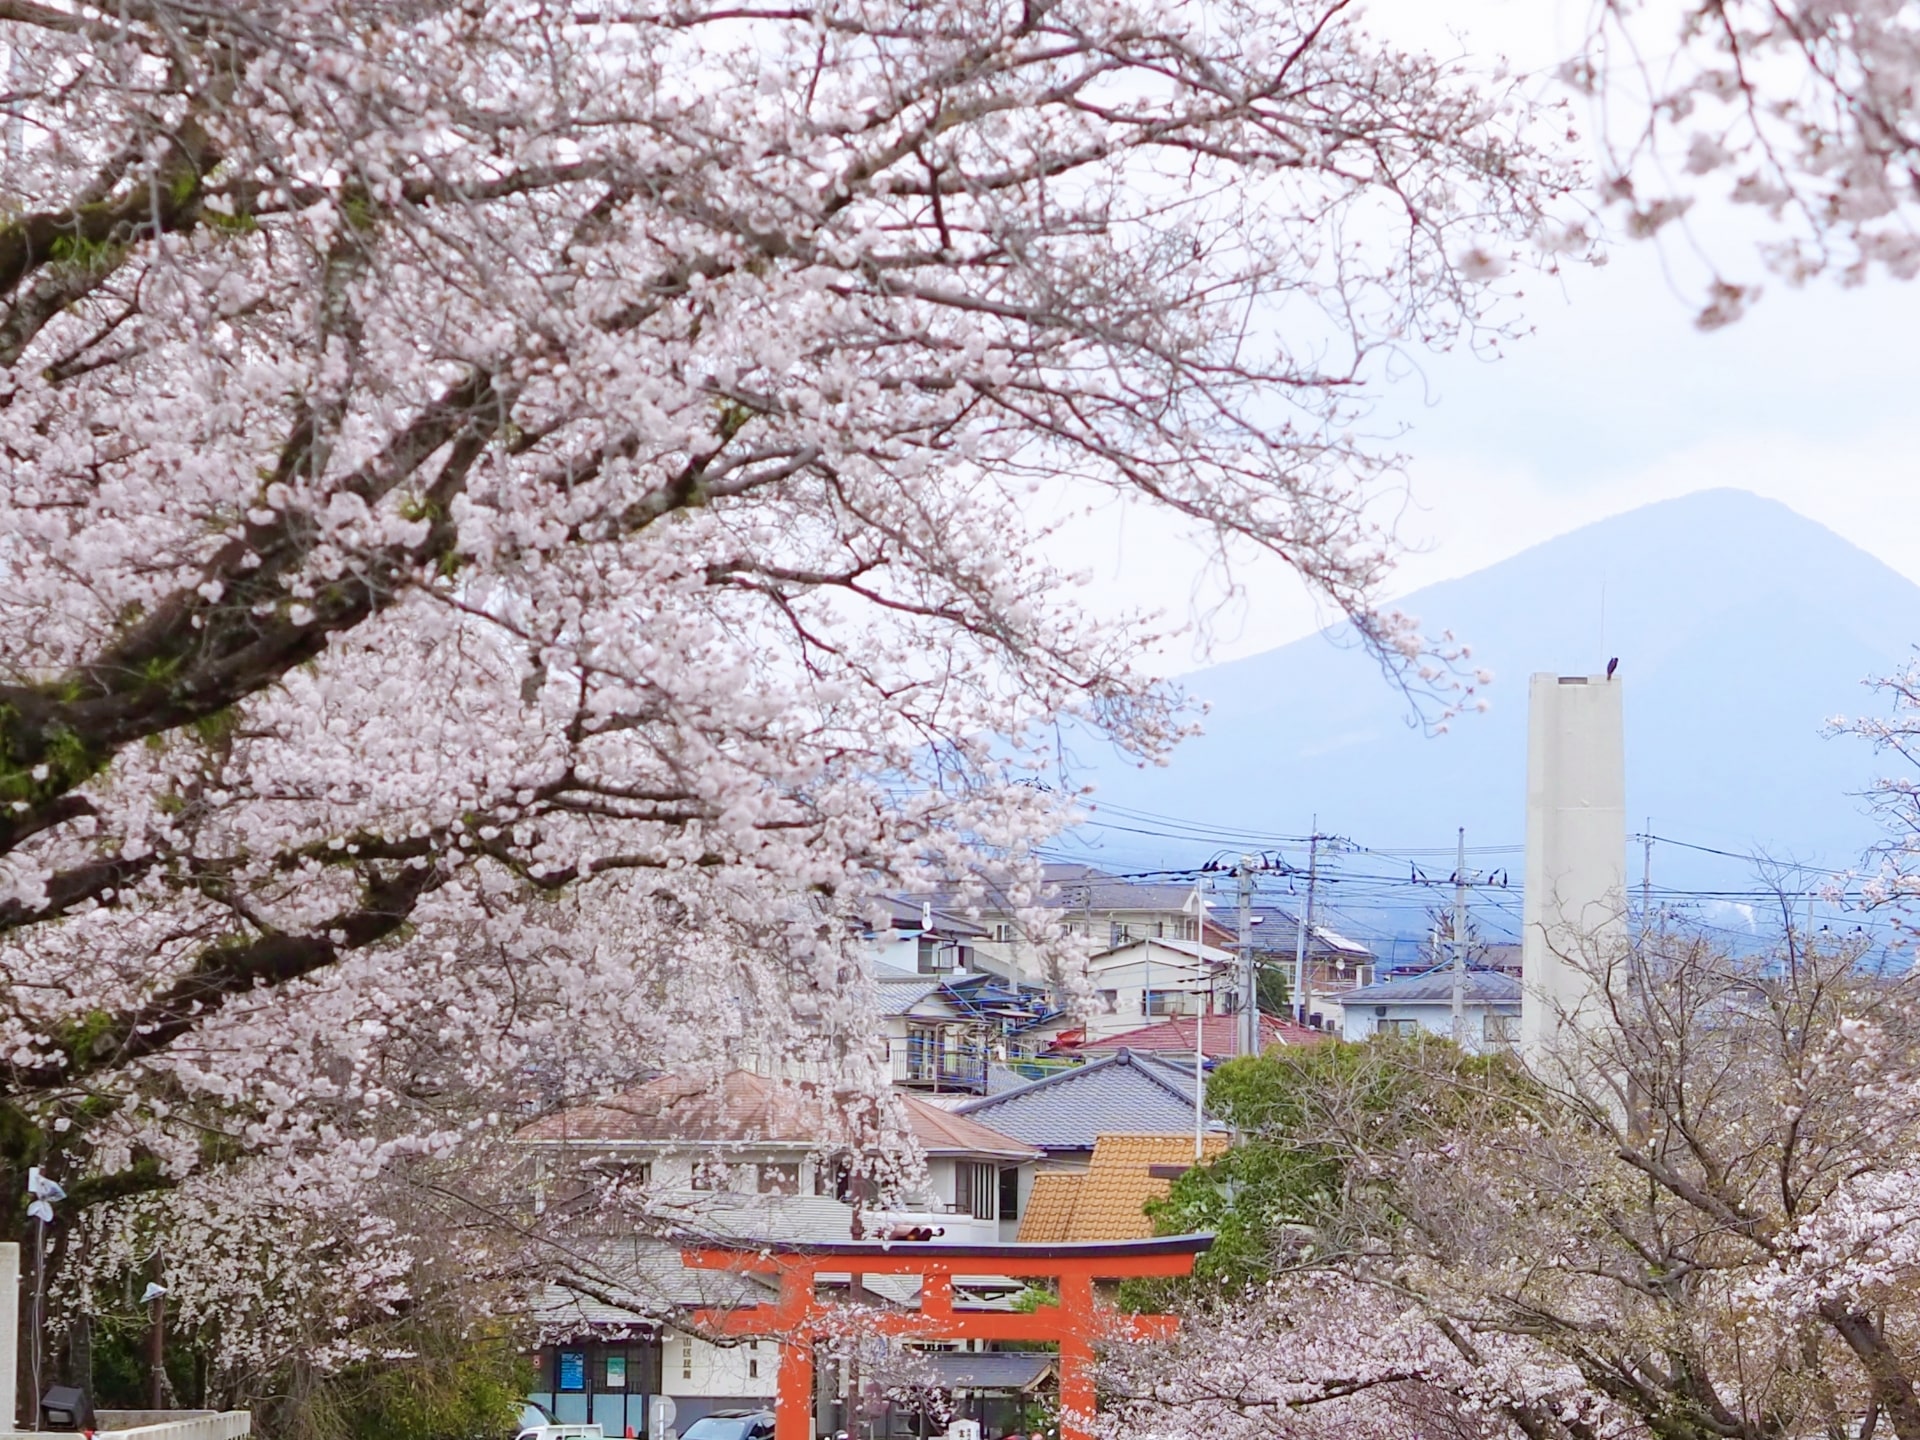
(1145, 980)
(1410, 1004)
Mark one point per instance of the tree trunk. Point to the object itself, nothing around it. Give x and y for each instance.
(1892, 1390)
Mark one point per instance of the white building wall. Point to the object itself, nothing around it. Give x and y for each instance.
(694, 1368)
(1362, 1022)
(1575, 905)
(1128, 981)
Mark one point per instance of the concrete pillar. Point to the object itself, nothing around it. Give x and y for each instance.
(10, 1337)
(1575, 907)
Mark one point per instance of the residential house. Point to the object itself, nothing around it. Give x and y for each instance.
(1334, 961)
(1142, 980)
(1412, 1004)
(1109, 910)
(1108, 1200)
(737, 1156)
(747, 1134)
(931, 1044)
(1063, 1115)
(1115, 910)
(942, 1033)
(921, 938)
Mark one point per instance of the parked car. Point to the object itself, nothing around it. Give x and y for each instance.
(731, 1425)
(562, 1432)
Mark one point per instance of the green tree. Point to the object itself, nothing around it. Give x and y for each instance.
(1289, 1191)
(1272, 994)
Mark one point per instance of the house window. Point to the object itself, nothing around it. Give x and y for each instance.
(626, 1172)
(753, 1369)
(1405, 1029)
(845, 1186)
(976, 1188)
(712, 1175)
(935, 956)
(1003, 932)
(1169, 1002)
(1010, 1194)
(781, 1179)
(1500, 1029)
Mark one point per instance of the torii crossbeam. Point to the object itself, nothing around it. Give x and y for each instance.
(798, 1317)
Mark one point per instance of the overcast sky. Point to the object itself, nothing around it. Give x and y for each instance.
(1614, 401)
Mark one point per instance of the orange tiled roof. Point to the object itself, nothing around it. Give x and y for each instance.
(1049, 1212)
(1108, 1201)
(1220, 1037)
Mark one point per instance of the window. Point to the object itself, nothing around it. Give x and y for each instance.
(1169, 1002)
(753, 1369)
(935, 956)
(839, 1181)
(1010, 1194)
(783, 1179)
(1003, 932)
(1111, 998)
(712, 1175)
(976, 1188)
(1501, 1029)
(1405, 1029)
(626, 1172)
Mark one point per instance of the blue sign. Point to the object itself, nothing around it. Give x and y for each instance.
(573, 1370)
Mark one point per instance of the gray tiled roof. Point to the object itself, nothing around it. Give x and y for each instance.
(1482, 987)
(633, 1280)
(989, 1370)
(908, 912)
(1124, 1093)
(897, 997)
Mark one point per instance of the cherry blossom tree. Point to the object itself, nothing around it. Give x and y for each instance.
(1712, 1234)
(519, 520)
(1803, 111)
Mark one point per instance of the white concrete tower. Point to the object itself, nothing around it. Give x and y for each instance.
(1576, 850)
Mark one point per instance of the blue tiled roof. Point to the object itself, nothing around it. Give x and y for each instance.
(1124, 1093)
(1482, 987)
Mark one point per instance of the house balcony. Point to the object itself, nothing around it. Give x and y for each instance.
(929, 1067)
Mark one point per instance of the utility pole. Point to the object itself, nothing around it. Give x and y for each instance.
(1646, 883)
(1302, 978)
(1460, 941)
(1249, 989)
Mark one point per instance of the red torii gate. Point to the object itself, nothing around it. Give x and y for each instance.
(798, 1317)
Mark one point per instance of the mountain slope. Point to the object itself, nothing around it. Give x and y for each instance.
(1741, 628)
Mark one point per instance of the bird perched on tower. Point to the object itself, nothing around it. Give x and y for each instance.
(1612, 665)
